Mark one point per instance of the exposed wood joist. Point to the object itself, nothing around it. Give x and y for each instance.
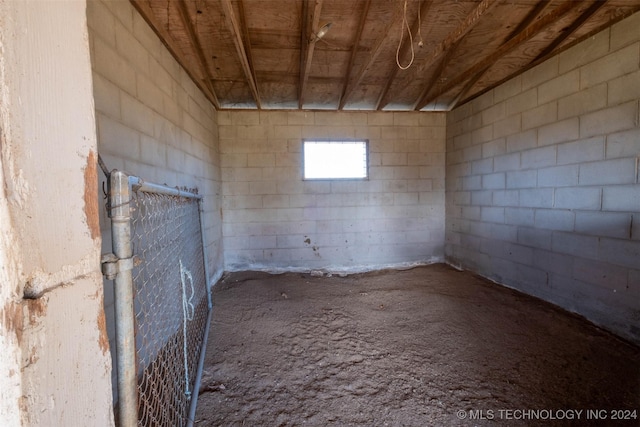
(373, 55)
(204, 83)
(385, 96)
(237, 35)
(566, 33)
(356, 45)
(310, 20)
(451, 42)
(526, 34)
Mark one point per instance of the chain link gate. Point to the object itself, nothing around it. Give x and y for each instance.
(162, 301)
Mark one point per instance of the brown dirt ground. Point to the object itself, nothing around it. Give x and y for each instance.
(406, 348)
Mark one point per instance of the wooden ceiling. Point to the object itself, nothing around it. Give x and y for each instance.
(266, 54)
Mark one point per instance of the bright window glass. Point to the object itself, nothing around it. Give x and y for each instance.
(335, 159)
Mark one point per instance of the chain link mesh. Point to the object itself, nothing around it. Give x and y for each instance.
(170, 302)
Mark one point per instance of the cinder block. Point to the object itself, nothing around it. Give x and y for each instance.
(494, 148)
(242, 202)
(625, 32)
(481, 198)
(562, 131)
(384, 118)
(610, 120)
(559, 87)
(600, 273)
(522, 179)
(407, 146)
(625, 253)
(506, 198)
(613, 65)
(508, 89)
(608, 224)
(461, 198)
(539, 74)
(508, 162)
(235, 188)
(493, 181)
(618, 171)
(578, 198)
(492, 214)
(394, 159)
(481, 135)
(503, 232)
(539, 116)
(623, 144)
(539, 157)
(153, 152)
(622, 198)
(101, 22)
(536, 198)
(585, 150)
(534, 237)
(113, 67)
(261, 160)
(472, 182)
(472, 153)
(410, 172)
(554, 219)
(482, 166)
(553, 262)
(494, 113)
(558, 176)
(471, 212)
(118, 139)
(107, 96)
(575, 244)
(585, 101)
(393, 133)
(522, 141)
(509, 126)
(589, 50)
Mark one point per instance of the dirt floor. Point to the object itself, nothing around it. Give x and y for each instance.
(429, 346)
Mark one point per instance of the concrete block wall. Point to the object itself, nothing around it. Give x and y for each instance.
(274, 220)
(543, 190)
(152, 120)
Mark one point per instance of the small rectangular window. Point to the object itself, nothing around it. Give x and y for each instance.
(335, 159)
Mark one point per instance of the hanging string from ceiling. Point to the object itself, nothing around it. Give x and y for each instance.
(405, 24)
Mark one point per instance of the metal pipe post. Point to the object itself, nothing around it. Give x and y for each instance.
(119, 202)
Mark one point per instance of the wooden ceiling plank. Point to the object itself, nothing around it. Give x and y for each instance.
(450, 44)
(309, 27)
(204, 83)
(236, 32)
(373, 55)
(450, 53)
(571, 29)
(356, 45)
(514, 42)
(385, 96)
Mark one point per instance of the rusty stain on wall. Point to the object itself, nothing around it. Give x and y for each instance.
(12, 319)
(103, 339)
(91, 195)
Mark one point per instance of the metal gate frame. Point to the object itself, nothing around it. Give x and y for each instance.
(119, 266)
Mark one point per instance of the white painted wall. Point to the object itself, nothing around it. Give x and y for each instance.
(273, 220)
(543, 190)
(51, 297)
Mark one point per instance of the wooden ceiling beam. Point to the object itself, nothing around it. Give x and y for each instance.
(373, 55)
(451, 42)
(526, 34)
(310, 20)
(203, 83)
(385, 96)
(566, 33)
(354, 49)
(236, 34)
